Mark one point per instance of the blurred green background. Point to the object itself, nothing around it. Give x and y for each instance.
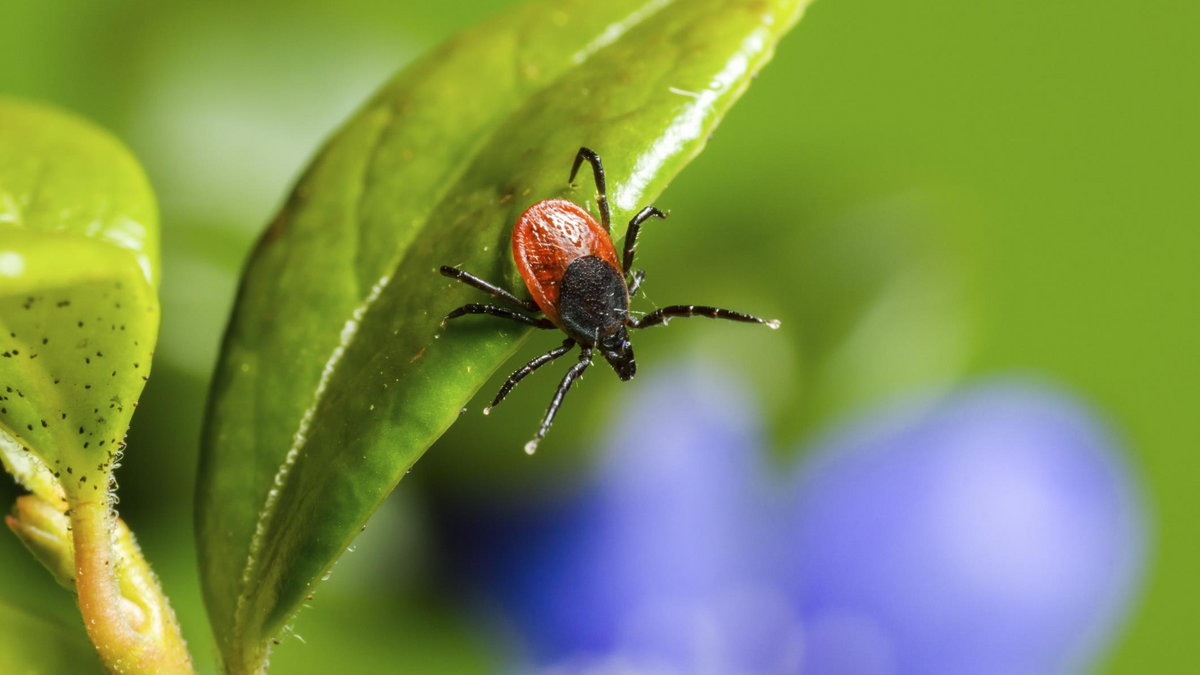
(921, 191)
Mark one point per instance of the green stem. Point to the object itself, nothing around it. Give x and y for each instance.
(124, 610)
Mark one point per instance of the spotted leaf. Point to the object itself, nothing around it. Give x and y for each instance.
(78, 303)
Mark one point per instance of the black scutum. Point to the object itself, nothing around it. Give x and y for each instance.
(593, 300)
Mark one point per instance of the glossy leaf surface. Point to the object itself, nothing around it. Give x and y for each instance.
(78, 303)
(335, 375)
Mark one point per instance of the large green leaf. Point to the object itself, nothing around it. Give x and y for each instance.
(335, 375)
(78, 305)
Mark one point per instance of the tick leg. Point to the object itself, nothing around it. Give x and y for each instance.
(504, 312)
(662, 315)
(634, 285)
(631, 235)
(528, 368)
(472, 280)
(601, 187)
(585, 360)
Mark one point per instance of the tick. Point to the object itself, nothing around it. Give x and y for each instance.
(578, 286)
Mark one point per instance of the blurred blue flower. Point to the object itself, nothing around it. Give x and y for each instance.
(992, 532)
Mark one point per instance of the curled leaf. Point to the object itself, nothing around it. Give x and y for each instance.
(46, 532)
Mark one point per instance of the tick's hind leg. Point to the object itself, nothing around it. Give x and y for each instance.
(475, 282)
(601, 188)
(503, 312)
(665, 314)
(585, 360)
(528, 368)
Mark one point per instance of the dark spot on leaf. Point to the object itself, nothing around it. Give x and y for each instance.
(80, 431)
(70, 470)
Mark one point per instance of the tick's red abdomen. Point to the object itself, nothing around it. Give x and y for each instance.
(547, 238)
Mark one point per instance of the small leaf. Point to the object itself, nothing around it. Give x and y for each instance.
(335, 375)
(78, 305)
(46, 532)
